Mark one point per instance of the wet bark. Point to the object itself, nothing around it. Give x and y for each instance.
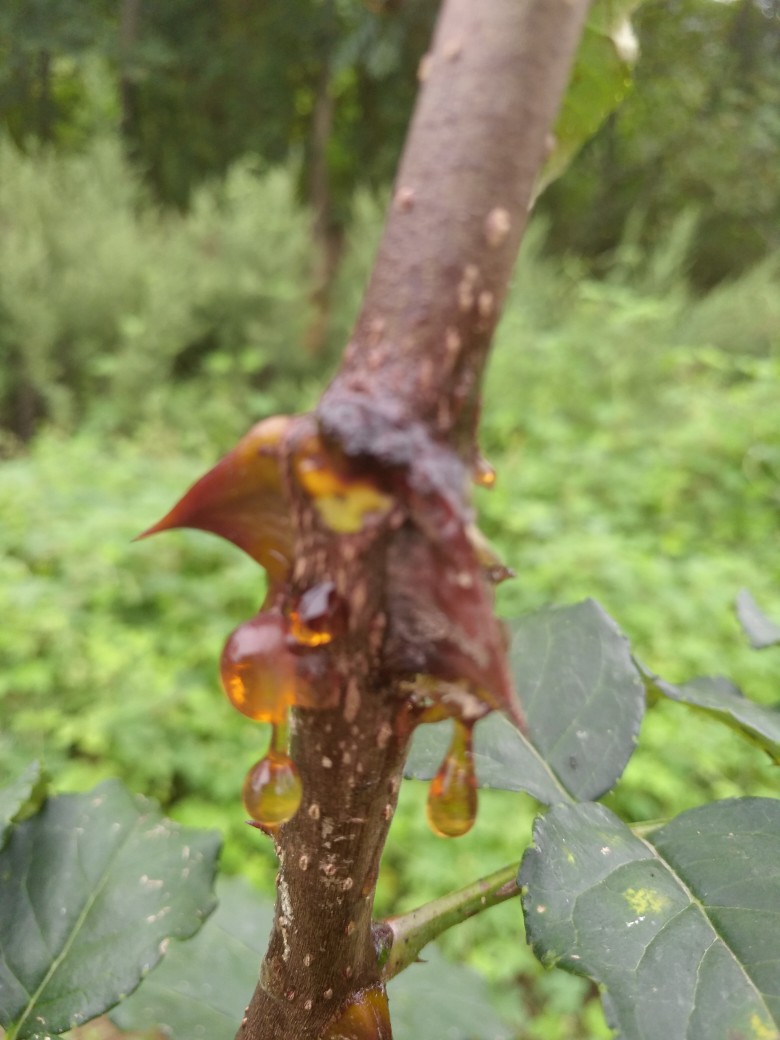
(404, 409)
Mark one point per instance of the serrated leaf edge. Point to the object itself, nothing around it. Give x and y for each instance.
(75, 930)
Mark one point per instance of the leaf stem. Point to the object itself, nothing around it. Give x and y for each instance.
(641, 830)
(415, 929)
(404, 935)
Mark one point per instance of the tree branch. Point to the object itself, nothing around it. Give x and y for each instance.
(400, 417)
(491, 86)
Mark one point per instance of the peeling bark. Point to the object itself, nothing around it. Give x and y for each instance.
(404, 409)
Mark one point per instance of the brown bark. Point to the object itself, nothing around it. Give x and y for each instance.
(327, 232)
(46, 109)
(129, 21)
(403, 409)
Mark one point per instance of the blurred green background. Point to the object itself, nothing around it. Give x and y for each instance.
(190, 198)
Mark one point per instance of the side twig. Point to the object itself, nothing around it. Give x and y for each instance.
(406, 934)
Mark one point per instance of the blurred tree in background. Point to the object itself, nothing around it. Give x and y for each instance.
(324, 88)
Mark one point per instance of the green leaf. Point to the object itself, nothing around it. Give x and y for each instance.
(21, 798)
(583, 699)
(600, 79)
(760, 630)
(91, 889)
(683, 928)
(721, 698)
(203, 985)
(606, 16)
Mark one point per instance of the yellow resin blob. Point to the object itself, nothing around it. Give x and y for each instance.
(345, 503)
(272, 787)
(452, 796)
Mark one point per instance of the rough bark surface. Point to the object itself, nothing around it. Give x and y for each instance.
(404, 409)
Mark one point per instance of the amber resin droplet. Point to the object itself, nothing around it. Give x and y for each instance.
(306, 636)
(272, 787)
(258, 670)
(483, 473)
(452, 796)
(316, 618)
(365, 1017)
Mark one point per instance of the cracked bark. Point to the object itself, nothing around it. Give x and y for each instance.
(404, 406)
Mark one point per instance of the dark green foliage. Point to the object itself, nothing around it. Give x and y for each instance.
(92, 887)
(21, 798)
(439, 998)
(714, 968)
(101, 294)
(721, 698)
(46, 50)
(578, 657)
(197, 85)
(194, 86)
(215, 82)
(202, 986)
(678, 926)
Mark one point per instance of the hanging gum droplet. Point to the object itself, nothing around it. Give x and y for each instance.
(483, 473)
(257, 669)
(272, 787)
(452, 796)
